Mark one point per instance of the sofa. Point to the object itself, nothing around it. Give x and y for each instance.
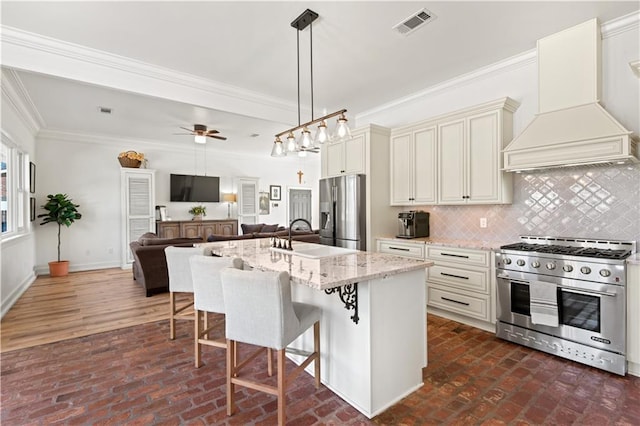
(261, 230)
(150, 264)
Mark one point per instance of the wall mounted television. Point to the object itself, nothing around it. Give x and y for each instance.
(191, 188)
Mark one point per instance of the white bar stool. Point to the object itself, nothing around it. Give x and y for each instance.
(259, 311)
(208, 297)
(180, 282)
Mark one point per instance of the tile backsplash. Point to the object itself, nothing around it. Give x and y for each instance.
(600, 201)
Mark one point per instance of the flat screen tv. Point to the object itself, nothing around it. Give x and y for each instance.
(199, 189)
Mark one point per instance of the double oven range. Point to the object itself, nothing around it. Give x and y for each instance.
(565, 296)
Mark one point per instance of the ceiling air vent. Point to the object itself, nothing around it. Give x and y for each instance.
(413, 22)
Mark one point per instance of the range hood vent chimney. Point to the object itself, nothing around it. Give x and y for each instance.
(571, 127)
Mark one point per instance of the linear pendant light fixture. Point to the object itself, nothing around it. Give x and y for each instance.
(306, 142)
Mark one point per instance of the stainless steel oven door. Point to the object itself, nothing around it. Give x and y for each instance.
(589, 313)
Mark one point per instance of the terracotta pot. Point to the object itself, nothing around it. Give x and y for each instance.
(59, 269)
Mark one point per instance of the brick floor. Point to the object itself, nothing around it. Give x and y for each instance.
(137, 376)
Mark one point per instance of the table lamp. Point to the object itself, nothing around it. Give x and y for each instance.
(229, 198)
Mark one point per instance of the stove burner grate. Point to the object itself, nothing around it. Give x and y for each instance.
(569, 250)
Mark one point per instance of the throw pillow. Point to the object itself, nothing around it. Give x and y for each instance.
(251, 228)
(145, 236)
(269, 228)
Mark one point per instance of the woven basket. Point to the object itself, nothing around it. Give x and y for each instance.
(129, 162)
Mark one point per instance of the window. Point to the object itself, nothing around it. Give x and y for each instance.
(13, 198)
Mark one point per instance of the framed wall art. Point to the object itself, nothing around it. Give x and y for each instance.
(32, 208)
(32, 178)
(264, 202)
(274, 191)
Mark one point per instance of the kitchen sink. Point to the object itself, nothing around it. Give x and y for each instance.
(316, 252)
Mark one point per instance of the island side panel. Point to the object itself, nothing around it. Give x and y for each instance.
(345, 347)
(398, 338)
(377, 362)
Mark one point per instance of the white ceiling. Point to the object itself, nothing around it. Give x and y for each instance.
(360, 63)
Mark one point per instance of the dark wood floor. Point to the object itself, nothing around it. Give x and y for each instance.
(136, 375)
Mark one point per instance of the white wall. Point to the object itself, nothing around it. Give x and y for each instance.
(17, 255)
(617, 217)
(89, 173)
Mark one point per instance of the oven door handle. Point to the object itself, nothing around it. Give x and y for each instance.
(587, 292)
(506, 277)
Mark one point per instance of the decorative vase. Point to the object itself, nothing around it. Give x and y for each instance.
(197, 217)
(59, 269)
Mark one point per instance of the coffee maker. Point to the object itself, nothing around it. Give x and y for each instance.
(413, 224)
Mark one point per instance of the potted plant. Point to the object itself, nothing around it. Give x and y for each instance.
(198, 212)
(61, 211)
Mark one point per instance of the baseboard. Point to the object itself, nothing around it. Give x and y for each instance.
(75, 267)
(633, 368)
(483, 325)
(16, 293)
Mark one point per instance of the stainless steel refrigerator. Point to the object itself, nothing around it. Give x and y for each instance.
(342, 212)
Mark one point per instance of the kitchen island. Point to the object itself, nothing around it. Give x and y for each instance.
(373, 339)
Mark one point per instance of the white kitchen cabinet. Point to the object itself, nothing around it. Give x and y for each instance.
(633, 318)
(402, 248)
(454, 158)
(138, 207)
(413, 167)
(469, 161)
(460, 285)
(344, 158)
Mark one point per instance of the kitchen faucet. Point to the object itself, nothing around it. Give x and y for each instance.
(291, 226)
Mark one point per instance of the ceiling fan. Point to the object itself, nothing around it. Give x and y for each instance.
(201, 133)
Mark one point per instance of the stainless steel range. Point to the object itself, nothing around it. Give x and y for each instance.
(565, 296)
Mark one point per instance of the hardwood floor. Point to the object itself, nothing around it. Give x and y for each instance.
(80, 304)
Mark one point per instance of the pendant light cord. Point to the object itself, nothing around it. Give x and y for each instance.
(298, 63)
(311, 59)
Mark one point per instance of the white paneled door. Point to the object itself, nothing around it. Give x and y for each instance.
(138, 207)
(299, 204)
(248, 201)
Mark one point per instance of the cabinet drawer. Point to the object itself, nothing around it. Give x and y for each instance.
(461, 278)
(464, 304)
(458, 255)
(415, 251)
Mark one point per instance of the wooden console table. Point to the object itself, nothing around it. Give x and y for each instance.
(196, 228)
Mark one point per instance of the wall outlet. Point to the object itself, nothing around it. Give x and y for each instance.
(483, 222)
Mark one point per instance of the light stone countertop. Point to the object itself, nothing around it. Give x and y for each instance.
(320, 274)
(446, 242)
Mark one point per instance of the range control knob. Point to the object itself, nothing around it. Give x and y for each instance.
(507, 261)
(535, 264)
(585, 270)
(567, 268)
(520, 262)
(551, 266)
(605, 272)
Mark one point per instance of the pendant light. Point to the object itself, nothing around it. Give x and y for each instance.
(306, 143)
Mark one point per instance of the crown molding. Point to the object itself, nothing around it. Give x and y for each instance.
(55, 135)
(17, 96)
(87, 64)
(620, 25)
(492, 70)
(608, 29)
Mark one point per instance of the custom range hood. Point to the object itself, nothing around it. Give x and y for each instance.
(571, 128)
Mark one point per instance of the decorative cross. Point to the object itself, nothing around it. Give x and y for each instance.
(300, 176)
